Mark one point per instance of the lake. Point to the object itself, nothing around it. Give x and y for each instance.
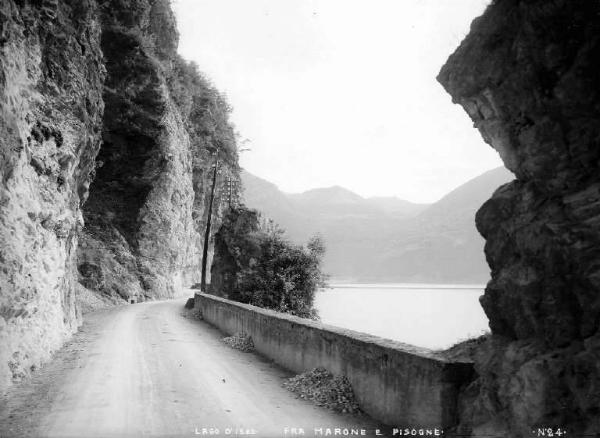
(432, 316)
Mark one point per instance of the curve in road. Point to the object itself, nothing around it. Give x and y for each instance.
(151, 369)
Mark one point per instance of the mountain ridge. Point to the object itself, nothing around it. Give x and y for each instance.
(385, 238)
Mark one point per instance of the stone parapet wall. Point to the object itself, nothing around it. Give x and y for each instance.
(395, 383)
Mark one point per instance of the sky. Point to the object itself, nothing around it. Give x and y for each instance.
(341, 92)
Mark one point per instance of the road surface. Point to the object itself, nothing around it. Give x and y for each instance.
(151, 369)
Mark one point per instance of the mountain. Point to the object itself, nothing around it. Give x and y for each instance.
(265, 196)
(441, 244)
(393, 205)
(384, 239)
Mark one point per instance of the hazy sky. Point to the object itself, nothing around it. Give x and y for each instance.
(341, 92)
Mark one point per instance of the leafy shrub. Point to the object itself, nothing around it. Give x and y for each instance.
(254, 263)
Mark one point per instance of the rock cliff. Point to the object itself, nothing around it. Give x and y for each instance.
(144, 218)
(528, 75)
(107, 141)
(51, 78)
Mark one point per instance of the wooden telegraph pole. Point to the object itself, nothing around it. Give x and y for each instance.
(207, 231)
(232, 193)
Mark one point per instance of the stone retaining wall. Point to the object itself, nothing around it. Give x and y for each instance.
(398, 384)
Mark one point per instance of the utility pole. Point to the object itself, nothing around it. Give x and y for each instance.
(209, 219)
(232, 195)
(207, 232)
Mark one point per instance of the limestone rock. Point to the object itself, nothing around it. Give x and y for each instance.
(146, 208)
(528, 76)
(237, 246)
(107, 139)
(51, 78)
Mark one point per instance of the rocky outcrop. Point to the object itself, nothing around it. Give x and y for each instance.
(528, 76)
(236, 247)
(255, 263)
(51, 78)
(145, 215)
(143, 178)
(107, 142)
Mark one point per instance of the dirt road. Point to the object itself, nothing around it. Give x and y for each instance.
(148, 370)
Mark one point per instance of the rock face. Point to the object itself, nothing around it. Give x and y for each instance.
(96, 105)
(51, 78)
(528, 75)
(237, 246)
(144, 180)
(146, 213)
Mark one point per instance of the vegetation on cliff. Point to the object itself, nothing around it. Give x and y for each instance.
(254, 263)
(205, 111)
(164, 128)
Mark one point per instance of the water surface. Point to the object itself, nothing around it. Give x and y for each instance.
(432, 316)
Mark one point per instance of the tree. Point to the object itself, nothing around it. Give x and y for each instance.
(259, 266)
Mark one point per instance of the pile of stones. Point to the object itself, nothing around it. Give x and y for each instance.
(324, 389)
(240, 341)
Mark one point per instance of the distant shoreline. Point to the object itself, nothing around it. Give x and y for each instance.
(403, 286)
